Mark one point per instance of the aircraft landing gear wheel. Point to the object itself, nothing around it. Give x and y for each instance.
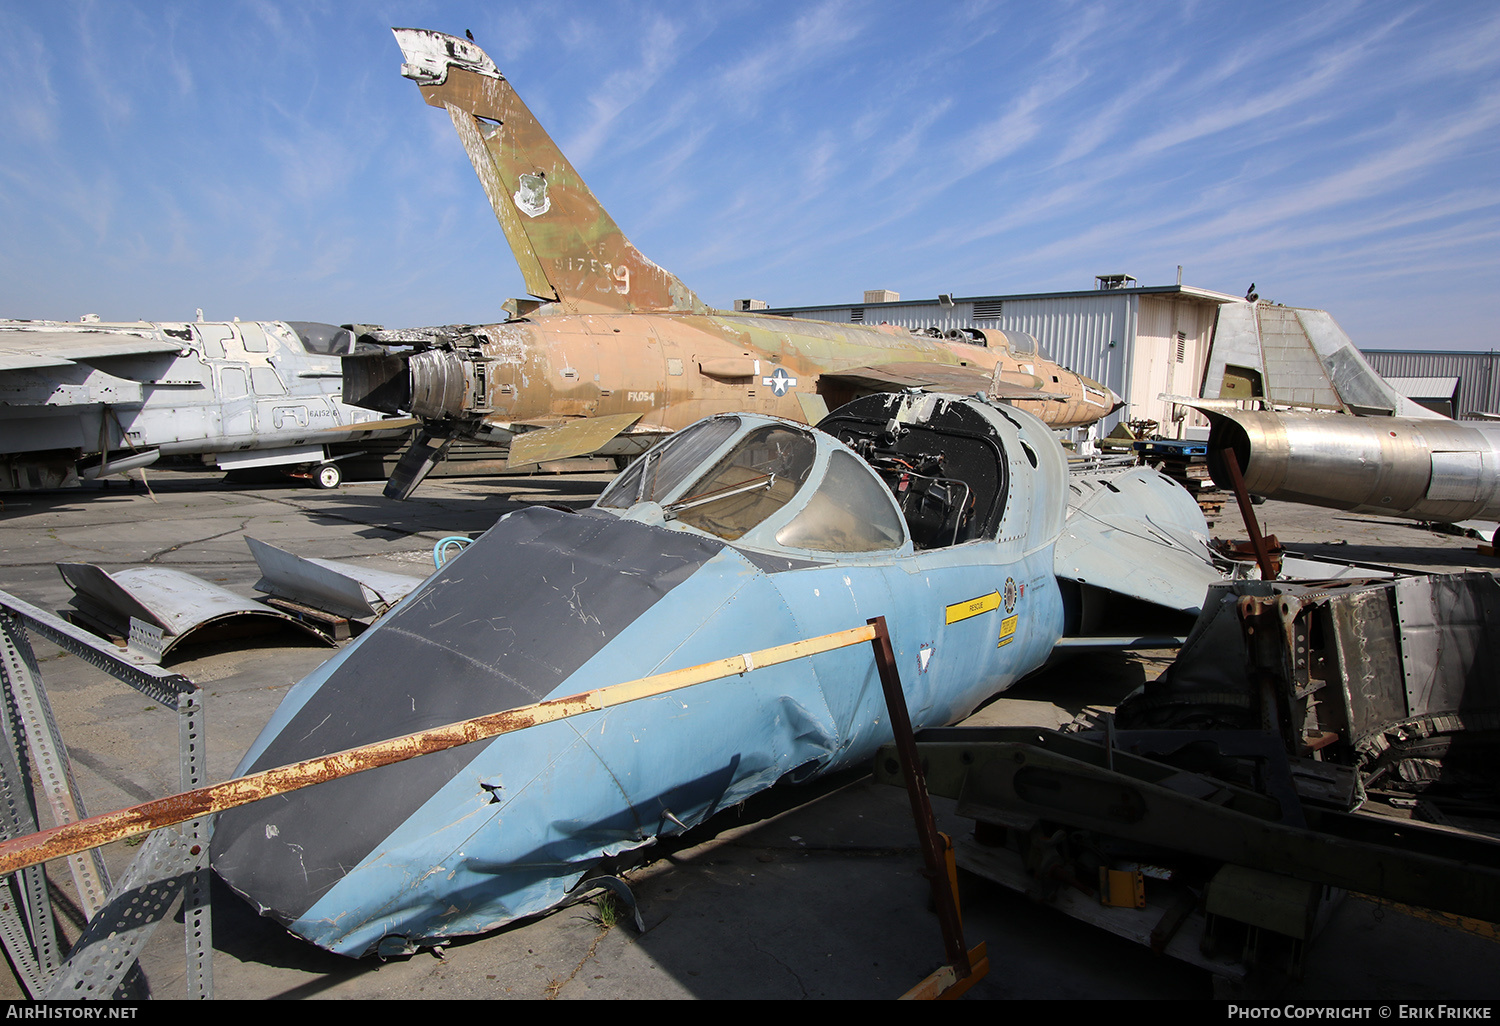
(328, 476)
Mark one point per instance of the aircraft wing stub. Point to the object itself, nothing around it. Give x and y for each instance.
(578, 438)
(31, 348)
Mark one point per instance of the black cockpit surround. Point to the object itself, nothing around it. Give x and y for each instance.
(948, 472)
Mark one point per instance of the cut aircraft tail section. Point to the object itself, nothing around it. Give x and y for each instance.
(569, 248)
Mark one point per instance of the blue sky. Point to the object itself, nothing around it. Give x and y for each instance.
(266, 160)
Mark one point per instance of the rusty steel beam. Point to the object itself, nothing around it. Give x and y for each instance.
(71, 838)
(963, 968)
(1247, 513)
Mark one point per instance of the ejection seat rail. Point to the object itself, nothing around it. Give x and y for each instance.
(102, 962)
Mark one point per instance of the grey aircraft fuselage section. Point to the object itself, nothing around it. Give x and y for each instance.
(240, 393)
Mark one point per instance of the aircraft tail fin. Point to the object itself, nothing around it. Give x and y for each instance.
(1290, 356)
(569, 248)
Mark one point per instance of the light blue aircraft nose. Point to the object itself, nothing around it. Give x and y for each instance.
(505, 624)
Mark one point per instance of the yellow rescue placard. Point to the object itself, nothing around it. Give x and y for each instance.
(963, 610)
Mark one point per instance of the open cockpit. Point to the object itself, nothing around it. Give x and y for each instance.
(895, 484)
(946, 471)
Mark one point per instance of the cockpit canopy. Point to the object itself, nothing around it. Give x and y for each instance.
(763, 482)
(325, 339)
(856, 485)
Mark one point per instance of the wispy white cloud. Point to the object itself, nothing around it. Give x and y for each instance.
(30, 109)
(97, 61)
(1374, 175)
(903, 152)
(814, 37)
(1322, 73)
(625, 86)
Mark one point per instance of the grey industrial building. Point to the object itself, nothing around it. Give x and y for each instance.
(1452, 382)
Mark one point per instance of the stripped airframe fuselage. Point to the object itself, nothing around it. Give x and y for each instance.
(240, 393)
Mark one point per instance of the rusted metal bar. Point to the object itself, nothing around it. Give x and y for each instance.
(1247, 513)
(961, 971)
(71, 838)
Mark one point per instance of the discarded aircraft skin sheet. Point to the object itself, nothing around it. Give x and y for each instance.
(739, 533)
(182, 606)
(344, 589)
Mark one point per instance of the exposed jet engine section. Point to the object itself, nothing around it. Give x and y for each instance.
(1435, 469)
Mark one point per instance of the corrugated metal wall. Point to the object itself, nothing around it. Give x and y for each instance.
(1478, 373)
(1094, 336)
(925, 314)
(1102, 335)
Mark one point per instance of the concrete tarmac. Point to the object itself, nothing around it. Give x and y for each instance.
(813, 892)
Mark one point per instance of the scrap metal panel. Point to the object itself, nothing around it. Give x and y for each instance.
(1450, 642)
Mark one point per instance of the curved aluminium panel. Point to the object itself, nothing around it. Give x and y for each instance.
(1137, 533)
(181, 606)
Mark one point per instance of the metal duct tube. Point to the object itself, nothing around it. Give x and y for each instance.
(377, 381)
(1425, 469)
